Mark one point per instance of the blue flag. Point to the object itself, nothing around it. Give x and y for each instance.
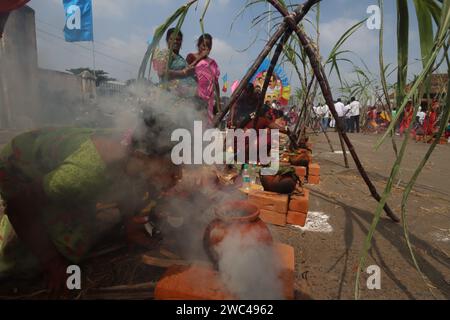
(79, 26)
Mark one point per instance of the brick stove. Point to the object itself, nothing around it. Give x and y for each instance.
(202, 282)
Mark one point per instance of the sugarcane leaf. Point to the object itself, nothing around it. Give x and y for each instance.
(402, 48)
(347, 34)
(205, 9)
(435, 9)
(424, 19)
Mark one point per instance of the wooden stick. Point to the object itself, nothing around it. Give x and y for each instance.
(328, 138)
(326, 90)
(300, 12)
(163, 263)
(344, 151)
(166, 263)
(169, 254)
(269, 73)
(122, 288)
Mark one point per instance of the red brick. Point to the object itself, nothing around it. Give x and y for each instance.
(273, 217)
(313, 179)
(300, 203)
(314, 169)
(300, 171)
(271, 201)
(296, 218)
(191, 283)
(287, 275)
(199, 282)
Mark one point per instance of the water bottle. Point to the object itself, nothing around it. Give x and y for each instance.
(253, 174)
(246, 178)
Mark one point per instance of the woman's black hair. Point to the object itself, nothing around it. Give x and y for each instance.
(172, 30)
(153, 136)
(203, 37)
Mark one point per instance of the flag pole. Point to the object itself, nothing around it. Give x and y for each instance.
(93, 60)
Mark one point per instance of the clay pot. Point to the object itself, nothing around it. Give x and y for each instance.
(299, 160)
(284, 184)
(241, 219)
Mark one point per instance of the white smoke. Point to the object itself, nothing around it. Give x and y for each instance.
(251, 270)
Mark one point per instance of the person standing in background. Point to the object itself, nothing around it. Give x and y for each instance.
(355, 107)
(207, 73)
(340, 109)
(325, 117)
(421, 116)
(407, 118)
(348, 117)
(173, 70)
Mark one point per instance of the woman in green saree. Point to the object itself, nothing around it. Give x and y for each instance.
(173, 70)
(51, 180)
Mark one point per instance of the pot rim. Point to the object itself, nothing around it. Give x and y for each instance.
(252, 210)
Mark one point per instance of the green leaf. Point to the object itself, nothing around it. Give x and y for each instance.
(424, 19)
(402, 48)
(347, 34)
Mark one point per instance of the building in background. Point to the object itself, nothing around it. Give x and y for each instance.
(30, 96)
(20, 105)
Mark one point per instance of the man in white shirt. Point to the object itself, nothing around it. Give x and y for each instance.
(355, 107)
(421, 116)
(340, 109)
(348, 117)
(325, 111)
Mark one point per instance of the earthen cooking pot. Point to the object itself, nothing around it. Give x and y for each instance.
(301, 159)
(239, 219)
(279, 183)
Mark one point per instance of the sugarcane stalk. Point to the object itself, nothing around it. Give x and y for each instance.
(326, 91)
(344, 150)
(299, 14)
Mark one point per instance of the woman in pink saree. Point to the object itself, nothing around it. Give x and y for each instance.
(207, 73)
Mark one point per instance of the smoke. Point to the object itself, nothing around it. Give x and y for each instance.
(249, 268)
(191, 207)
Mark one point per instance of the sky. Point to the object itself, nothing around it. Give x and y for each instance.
(123, 27)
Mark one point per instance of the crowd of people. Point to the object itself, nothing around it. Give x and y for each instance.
(425, 123)
(377, 120)
(348, 114)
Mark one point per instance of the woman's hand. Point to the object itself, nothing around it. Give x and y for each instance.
(188, 70)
